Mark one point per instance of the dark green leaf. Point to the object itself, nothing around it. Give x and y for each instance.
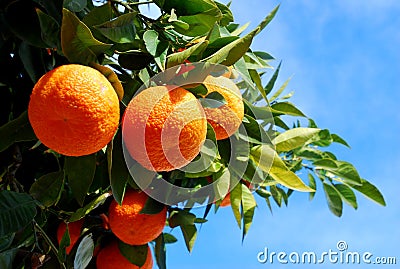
(77, 41)
(189, 234)
(80, 173)
(369, 191)
(99, 15)
(169, 238)
(152, 207)
(118, 171)
(17, 130)
(81, 212)
(50, 30)
(121, 29)
(16, 211)
(75, 5)
(334, 200)
(160, 251)
(232, 52)
(7, 257)
(134, 254)
(271, 82)
(47, 189)
(181, 217)
(84, 253)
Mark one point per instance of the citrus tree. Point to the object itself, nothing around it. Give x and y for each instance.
(115, 125)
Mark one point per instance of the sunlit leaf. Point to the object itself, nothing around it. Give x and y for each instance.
(293, 138)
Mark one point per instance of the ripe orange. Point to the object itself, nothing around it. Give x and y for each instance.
(226, 201)
(227, 118)
(74, 230)
(74, 110)
(164, 128)
(132, 227)
(110, 257)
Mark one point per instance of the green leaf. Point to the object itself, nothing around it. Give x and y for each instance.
(223, 179)
(117, 169)
(6, 241)
(75, 5)
(236, 201)
(134, 254)
(83, 211)
(99, 15)
(180, 57)
(213, 100)
(248, 206)
(160, 251)
(157, 48)
(231, 53)
(270, 162)
(169, 238)
(286, 108)
(271, 82)
(121, 29)
(7, 257)
(17, 130)
(50, 30)
(294, 138)
(280, 90)
(334, 200)
(370, 191)
(84, 253)
(199, 24)
(189, 234)
(47, 189)
(77, 41)
(313, 185)
(240, 29)
(152, 207)
(267, 19)
(181, 217)
(342, 169)
(339, 140)
(134, 60)
(16, 211)
(80, 173)
(347, 194)
(227, 15)
(325, 164)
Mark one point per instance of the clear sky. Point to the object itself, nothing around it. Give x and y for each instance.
(345, 61)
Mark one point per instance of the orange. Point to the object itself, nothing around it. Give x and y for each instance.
(110, 257)
(226, 201)
(74, 230)
(227, 118)
(132, 227)
(164, 128)
(74, 110)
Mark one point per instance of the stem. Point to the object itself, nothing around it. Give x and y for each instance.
(48, 241)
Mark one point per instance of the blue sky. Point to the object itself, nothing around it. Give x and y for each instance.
(345, 63)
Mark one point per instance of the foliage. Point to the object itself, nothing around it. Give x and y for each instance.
(39, 188)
